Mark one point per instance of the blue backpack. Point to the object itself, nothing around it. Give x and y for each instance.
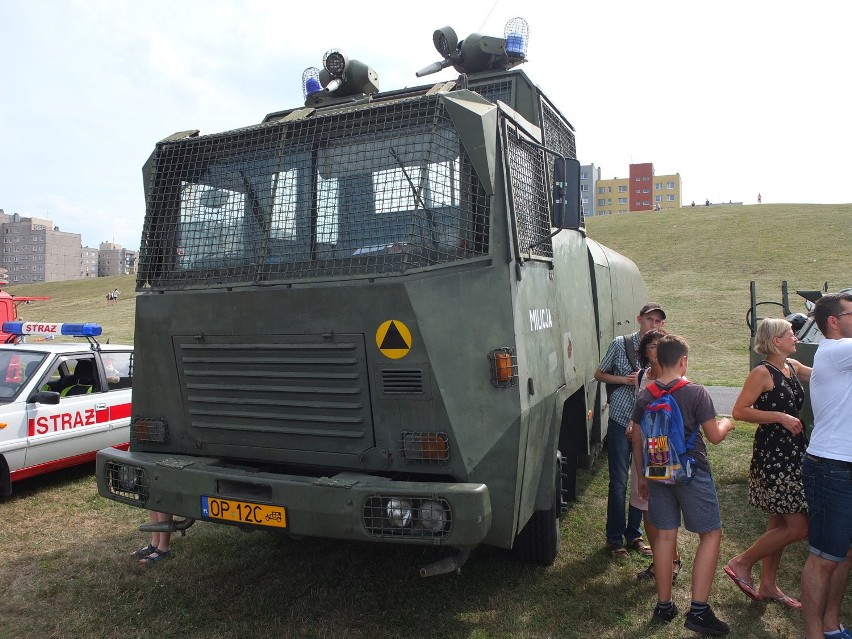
(664, 446)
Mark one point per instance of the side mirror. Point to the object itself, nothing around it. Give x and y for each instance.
(566, 193)
(44, 397)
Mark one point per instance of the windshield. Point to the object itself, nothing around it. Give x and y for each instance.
(353, 194)
(16, 369)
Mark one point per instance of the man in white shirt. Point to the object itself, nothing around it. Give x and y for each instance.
(827, 472)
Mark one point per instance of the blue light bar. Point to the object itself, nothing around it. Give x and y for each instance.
(52, 329)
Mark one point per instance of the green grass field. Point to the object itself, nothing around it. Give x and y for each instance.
(65, 565)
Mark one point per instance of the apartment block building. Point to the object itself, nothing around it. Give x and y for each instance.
(643, 190)
(89, 262)
(36, 251)
(115, 260)
(589, 175)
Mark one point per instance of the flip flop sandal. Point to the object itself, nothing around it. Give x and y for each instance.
(143, 552)
(617, 550)
(647, 574)
(743, 584)
(786, 600)
(157, 555)
(641, 547)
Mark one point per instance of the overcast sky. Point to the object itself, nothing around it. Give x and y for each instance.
(739, 97)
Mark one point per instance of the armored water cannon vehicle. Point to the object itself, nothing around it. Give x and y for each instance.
(375, 316)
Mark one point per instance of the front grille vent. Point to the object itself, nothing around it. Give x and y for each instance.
(402, 381)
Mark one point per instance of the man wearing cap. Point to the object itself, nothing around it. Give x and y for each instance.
(619, 368)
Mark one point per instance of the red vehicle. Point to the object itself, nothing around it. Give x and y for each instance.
(9, 309)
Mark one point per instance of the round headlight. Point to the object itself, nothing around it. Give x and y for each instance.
(399, 512)
(433, 515)
(127, 478)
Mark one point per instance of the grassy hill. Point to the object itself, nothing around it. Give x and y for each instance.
(697, 262)
(84, 301)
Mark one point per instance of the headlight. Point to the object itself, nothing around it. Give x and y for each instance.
(127, 478)
(399, 512)
(126, 483)
(408, 517)
(433, 515)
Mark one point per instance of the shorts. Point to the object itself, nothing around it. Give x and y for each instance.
(696, 500)
(828, 491)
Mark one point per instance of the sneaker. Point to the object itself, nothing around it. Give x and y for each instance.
(842, 633)
(664, 615)
(706, 623)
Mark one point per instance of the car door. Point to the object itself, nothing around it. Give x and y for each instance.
(60, 434)
(17, 372)
(118, 375)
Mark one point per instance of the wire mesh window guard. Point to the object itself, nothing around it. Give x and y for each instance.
(529, 195)
(376, 189)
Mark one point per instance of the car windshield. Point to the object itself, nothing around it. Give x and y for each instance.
(16, 368)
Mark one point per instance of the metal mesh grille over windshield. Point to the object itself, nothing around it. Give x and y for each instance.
(357, 191)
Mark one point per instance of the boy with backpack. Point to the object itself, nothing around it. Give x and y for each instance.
(674, 475)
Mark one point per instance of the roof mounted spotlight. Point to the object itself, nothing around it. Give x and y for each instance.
(477, 52)
(335, 62)
(340, 77)
(446, 41)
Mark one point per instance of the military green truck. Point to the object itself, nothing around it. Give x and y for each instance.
(375, 316)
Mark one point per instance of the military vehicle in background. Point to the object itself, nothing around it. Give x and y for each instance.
(375, 316)
(806, 329)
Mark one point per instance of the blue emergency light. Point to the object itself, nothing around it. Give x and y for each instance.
(52, 329)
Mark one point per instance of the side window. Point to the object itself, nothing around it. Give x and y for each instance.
(73, 376)
(58, 374)
(118, 369)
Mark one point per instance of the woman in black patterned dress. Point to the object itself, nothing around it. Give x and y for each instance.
(771, 397)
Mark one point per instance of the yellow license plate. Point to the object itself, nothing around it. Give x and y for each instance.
(244, 512)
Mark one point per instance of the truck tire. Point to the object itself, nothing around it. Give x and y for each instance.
(538, 542)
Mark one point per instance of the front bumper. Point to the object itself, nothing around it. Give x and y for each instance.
(343, 506)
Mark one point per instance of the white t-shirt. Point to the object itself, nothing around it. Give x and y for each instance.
(831, 398)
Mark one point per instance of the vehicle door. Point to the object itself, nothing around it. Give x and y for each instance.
(17, 372)
(79, 424)
(118, 375)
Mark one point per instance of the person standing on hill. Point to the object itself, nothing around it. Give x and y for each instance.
(827, 472)
(618, 370)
